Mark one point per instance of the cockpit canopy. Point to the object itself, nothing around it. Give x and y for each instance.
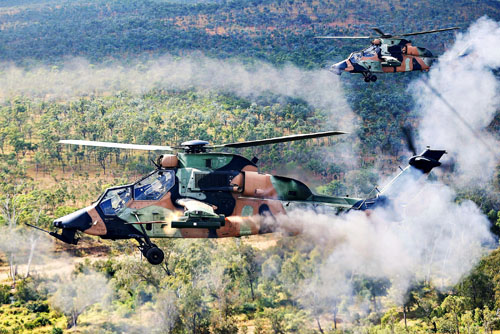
(150, 188)
(370, 51)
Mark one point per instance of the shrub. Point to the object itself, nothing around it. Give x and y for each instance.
(38, 322)
(37, 306)
(4, 294)
(248, 308)
(25, 291)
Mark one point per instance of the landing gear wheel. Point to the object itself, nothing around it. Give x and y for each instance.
(369, 76)
(154, 255)
(151, 252)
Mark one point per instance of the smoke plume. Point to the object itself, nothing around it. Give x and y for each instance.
(460, 98)
(427, 237)
(424, 234)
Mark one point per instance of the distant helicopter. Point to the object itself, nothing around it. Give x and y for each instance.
(201, 194)
(386, 54)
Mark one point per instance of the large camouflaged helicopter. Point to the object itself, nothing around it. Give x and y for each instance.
(386, 54)
(201, 194)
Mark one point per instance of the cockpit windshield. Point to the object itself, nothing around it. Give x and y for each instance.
(370, 51)
(154, 186)
(114, 200)
(355, 57)
(151, 188)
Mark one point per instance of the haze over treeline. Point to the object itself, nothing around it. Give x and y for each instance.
(277, 31)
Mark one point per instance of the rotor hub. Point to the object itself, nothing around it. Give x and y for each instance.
(195, 146)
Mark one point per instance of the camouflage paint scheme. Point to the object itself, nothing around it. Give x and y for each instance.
(386, 56)
(215, 195)
(217, 184)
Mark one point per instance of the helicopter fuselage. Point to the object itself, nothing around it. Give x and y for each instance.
(387, 56)
(214, 195)
(198, 195)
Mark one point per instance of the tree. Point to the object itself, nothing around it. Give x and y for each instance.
(372, 287)
(390, 319)
(131, 273)
(74, 296)
(478, 287)
(498, 215)
(319, 297)
(33, 241)
(490, 318)
(455, 306)
(292, 271)
(221, 289)
(469, 322)
(193, 310)
(426, 298)
(251, 267)
(277, 322)
(102, 157)
(336, 188)
(4, 294)
(165, 312)
(9, 208)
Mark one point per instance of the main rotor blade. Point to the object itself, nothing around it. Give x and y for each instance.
(380, 32)
(343, 37)
(384, 35)
(427, 32)
(281, 139)
(116, 145)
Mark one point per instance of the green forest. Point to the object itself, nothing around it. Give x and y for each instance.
(261, 284)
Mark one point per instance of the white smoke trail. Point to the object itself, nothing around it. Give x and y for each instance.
(425, 235)
(429, 238)
(464, 78)
(76, 77)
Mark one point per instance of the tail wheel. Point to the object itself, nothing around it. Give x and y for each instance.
(154, 255)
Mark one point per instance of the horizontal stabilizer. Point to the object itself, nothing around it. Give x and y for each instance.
(426, 161)
(433, 154)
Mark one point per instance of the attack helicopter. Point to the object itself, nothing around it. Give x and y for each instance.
(386, 54)
(197, 193)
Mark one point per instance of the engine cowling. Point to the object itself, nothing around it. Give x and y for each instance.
(168, 161)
